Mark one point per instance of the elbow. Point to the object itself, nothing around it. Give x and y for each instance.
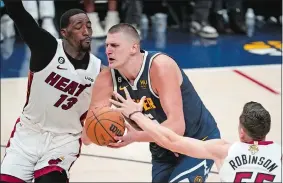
(180, 128)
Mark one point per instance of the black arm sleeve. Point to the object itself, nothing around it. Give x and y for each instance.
(41, 43)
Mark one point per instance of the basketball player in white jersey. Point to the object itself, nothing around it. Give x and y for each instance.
(45, 141)
(253, 159)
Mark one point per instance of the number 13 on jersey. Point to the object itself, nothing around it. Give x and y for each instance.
(65, 102)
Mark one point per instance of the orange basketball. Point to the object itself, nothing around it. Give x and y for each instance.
(103, 125)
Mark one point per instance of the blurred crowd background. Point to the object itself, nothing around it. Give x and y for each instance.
(207, 18)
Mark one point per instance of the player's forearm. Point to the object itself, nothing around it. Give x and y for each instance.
(85, 139)
(167, 138)
(153, 132)
(30, 32)
(143, 136)
(144, 123)
(23, 20)
(13, 6)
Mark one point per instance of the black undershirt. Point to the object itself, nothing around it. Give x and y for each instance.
(41, 43)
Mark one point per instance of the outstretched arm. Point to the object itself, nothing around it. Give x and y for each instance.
(167, 138)
(210, 149)
(41, 43)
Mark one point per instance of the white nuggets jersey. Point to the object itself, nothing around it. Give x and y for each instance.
(259, 163)
(58, 96)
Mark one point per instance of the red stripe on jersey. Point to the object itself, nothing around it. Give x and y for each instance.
(30, 78)
(78, 155)
(12, 135)
(261, 142)
(46, 170)
(13, 132)
(10, 178)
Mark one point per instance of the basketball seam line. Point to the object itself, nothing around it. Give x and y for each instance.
(112, 121)
(106, 130)
(88, 124)
(98, 110)
(88, 117)
(93, 114)
(95, 127)
(102, 126)
(107, 112)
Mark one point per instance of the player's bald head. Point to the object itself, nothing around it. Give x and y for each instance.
(127, 29)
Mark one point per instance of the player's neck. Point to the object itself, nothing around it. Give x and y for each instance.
(132, 68)
(250, 140)
(72, 51)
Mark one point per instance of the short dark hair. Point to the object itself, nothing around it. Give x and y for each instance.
(126, 28)
(65, 18)
(256, 120)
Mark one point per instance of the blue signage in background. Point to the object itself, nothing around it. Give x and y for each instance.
(1, 4)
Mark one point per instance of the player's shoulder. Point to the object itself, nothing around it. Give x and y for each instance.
(104, 78)
(95, 63)
(105, 74)
(59, 44)
(239, 146)
(59, 41)
(94, 58)
(162, 61)
(157, 55)
(235, 147)
(161, 57)
(276, 146)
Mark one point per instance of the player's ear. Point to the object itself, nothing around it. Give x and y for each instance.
(63, 33)
(135, 48)
(242, 134)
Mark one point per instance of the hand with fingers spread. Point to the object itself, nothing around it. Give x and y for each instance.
(127, 139)
(127, 106)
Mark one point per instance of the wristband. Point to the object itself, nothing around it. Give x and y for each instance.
(133, 113)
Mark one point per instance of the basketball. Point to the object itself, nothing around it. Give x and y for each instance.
(103, 125)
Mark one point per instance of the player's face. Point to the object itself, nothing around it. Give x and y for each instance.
(119, 49)
(80, 31)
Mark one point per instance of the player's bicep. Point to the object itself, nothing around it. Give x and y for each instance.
(166, 80)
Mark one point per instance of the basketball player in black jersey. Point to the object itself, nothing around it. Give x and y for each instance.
(171, 100)
(75, 28)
